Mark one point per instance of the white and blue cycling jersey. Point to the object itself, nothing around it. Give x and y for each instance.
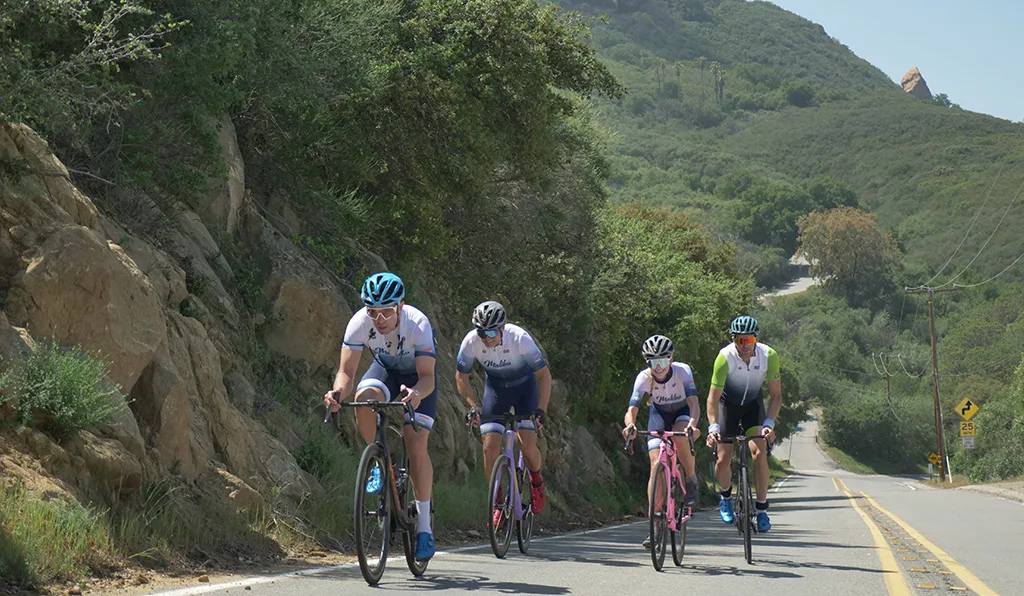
(396, 351)
(511, 362)
(669, 395)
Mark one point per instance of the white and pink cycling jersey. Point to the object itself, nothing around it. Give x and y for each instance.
(396, 351)
(516, 357)
(669, 395)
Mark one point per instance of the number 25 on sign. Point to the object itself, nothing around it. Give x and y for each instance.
(967, 429)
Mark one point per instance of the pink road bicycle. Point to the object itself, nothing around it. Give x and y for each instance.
(668, 512)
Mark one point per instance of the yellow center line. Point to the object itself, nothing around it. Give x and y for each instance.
(969, 579)
(894, 580)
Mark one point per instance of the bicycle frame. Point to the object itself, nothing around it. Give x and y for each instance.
(740, 449)
(380, 439)
(511, 423)
(667, 455)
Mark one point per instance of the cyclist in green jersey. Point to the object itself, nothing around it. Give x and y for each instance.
(736, 408)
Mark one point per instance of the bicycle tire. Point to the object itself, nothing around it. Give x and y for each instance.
(680, 533)
(372, 572)
(656, 513)
(501, 536)
(407, 503)
(744, 489)
(524, 527)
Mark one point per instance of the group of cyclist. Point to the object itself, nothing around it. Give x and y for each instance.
(404, 367)
(735, 407)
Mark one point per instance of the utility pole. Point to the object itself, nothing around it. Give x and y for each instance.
(935, 374)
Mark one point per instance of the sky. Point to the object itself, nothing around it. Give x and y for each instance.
(967, 49)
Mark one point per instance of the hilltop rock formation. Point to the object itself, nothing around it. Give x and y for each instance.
(914, 84)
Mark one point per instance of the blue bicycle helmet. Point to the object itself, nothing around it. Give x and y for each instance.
(382, 289)
(744, 325)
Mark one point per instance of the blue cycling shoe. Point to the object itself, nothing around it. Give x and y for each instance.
(374, 484)
(763, 523)
(725, 510)
(424, 546)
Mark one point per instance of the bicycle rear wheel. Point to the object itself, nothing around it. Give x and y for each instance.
(680, 534)
(372, 516)
(407, 503)
(659, 521)
(524, 527)
(745, 521)
(500, 517)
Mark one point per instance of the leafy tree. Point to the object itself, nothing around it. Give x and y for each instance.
(829, 192)
(800, 94)
(769, 210)
(850, 253)
(60, 60)
(943, 100)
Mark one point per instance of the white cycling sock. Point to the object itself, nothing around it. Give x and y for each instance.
(423, 516)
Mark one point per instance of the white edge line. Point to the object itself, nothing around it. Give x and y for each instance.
(252, 581)
(776, 488)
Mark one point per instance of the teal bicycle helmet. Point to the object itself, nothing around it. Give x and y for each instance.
(744, 325)
(382, 289)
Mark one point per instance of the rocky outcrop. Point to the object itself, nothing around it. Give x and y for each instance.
(308, 317)
(227, 200)
(156, 301)
(48, 179)
(81, 289)
(914, 84)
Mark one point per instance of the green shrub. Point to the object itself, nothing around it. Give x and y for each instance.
(46, 541)
(60, 390)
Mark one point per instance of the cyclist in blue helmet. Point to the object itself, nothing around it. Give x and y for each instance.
(404, 367)
(736, 408)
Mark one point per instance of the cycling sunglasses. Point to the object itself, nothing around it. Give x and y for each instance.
(377, 313)
(487, 333)
(659, 362)
(745, 340)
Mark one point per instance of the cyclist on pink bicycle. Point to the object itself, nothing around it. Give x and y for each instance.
(673, 403)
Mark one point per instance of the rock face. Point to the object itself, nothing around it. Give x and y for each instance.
(118, 288)
(914, 84)
(81, 289)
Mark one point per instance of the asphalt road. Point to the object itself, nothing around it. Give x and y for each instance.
(833, 532)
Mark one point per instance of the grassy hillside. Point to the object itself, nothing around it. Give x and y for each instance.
(798, 111)
(796, 104)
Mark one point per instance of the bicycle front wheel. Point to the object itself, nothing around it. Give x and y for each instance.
(372, 515)
(680, 534)
(524, 527)
(500, 516)
(745, 521)
(659, 520)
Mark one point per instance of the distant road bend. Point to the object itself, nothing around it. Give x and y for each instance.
(832, 530)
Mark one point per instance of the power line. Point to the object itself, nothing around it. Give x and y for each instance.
(996, 229)
(850, 388)
(971, 227)
(917, 376)
(981, 368)
(981, 283)
(899, 324)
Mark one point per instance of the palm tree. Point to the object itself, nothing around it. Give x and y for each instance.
(718, 79)
(702, 63)
(661, 71)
